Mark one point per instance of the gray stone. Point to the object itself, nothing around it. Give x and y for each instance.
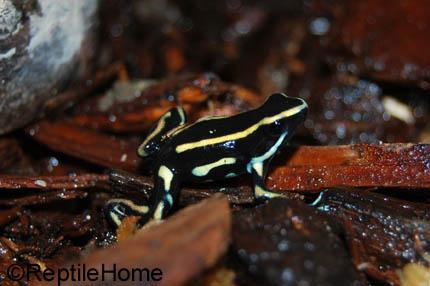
(43, 44)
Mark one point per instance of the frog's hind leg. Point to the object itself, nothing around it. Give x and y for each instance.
(165, 192)
(116, 210)
(172, 119)
(258, 171)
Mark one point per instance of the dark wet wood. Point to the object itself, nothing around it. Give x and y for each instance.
(286, 242)
(43, 198)
(383, 233)
(375, 44)
(52, 182)
(345, 109)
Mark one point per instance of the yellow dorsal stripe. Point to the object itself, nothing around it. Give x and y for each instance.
(241, 134)
(181, 128)
(175, 131)
(211, 118)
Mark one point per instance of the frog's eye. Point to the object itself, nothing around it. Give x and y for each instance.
(276, 127)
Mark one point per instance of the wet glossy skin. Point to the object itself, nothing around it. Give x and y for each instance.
(212, 149)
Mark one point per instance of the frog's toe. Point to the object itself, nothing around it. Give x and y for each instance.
(262, 194)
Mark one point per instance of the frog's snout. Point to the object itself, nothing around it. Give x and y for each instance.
(303, 108)
(289, 106)
(294, 112)
(296, 108)
(297, 103)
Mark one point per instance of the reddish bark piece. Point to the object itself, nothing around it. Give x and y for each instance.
(52, 182)
(360, 154)
(182, 246)
(43, 198)
(371, 31)
(86, 144)
(385, 165)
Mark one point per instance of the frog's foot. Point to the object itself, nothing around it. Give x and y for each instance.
(116, 210)
(258, 169)
(263, 194)
(166, 190)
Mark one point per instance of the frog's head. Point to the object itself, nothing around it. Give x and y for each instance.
(283, 114)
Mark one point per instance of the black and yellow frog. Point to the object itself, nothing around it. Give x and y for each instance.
(211, 149)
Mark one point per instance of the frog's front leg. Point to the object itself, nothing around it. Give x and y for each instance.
(258, 171)
(166, 192)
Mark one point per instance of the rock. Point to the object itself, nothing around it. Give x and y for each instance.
(43, 44)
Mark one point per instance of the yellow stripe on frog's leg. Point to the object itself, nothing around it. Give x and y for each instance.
(167, 176)
(172, 119)
(159, 210)
(117, 210)
(258, 167)
(166, 190)
(259, 171)
(142, 209)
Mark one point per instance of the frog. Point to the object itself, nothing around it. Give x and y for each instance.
(211, 149)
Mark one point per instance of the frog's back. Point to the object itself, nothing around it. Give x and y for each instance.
(212, 127)
(242, 129)
(275, 106)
